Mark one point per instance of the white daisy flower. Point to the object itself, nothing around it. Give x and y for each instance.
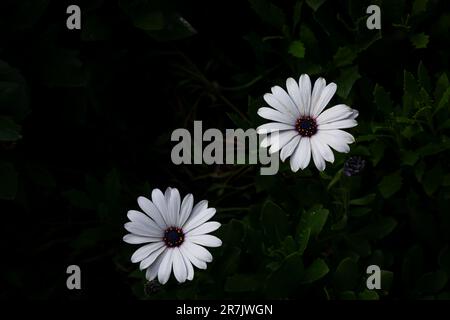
(174, 232)
(300, 125)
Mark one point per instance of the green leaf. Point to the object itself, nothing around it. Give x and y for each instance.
(347, 295)
(9, 130)
(420, 40)
(410, 91)
(424, 78)
(8, 181)
(314, 219)
(346, 80)
(382, 99)
(78, 199)
(390, 184)
(315, 4)
(442, 85)
(269, 13)
(408, 157)
(286, 278)
(368, 295)
(364, 200)
(317, 270)
(378, 229)
(297, 49)
(274, 221)
(433, 179)
(419, 6)
(412, 265)
(242, 283)
(149, 21)
(387, 277)
(432, 282)
(344, 56)
(346, 275)
(303, 239)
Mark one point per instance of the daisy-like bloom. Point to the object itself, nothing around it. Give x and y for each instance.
(174, 233)
(301, 127)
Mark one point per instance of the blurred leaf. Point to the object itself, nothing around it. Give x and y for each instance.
(368, 295)
(242, 283)
(364, 200)
(412, 265)
(274, 221)
(269, 13)
(313, 219)
(149, 21)
(420, 40)
(346, 275)
(432, 282)
(297, 49)
(315, 4)
(383, 100)
(8, 181)
(346, 80)
(390, 184)
(286, 278)
(78, 199)
(419, 6)
(424, 78)
(378, 229)
(433, 179)
(9, 130)
(316, 270)
(347, 295)
(303, 239)
(344, 56)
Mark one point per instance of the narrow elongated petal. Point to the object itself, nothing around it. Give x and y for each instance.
(274, 115)
(336, 113)
(305, 94)
(289, 148)
(166, 267)
(342, 124)
(325, 97)
(319, 161)
(286, 101)
(186, 209)
(302, 155)
(273, 126)
(179, 267)
(281, 139)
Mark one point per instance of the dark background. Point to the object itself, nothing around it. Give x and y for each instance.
(85, 124)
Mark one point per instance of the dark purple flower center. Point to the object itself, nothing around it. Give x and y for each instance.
(173, 237)
(306, 126)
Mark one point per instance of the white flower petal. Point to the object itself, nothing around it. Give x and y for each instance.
(174, 206)
(337, 139)
(274, 115)
(323, 148)
(273, 126)
(302, 155)
(289, 148)
(134, 239)
(186, 209)
(152, 271)
(144, 251)
(205, 240)
(319, 161)
(159, 201)
(284, 98)
(151, 257)
(189, 267)
(355, 114)
(142, 219)
(198, 251)
(305, 94)
(319, 85)
(325, 97)
(281, 139)
(152, 211)
(336, 113)
(140, 230)
(199, 207)
(200, 218)
(342, 124)
(179, 267)
(204, 228)
(294, 92)
(166, 266)
(192, 258)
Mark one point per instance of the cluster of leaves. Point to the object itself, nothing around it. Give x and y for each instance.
(104, 103)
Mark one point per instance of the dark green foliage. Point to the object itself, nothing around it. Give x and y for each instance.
(85, 124)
